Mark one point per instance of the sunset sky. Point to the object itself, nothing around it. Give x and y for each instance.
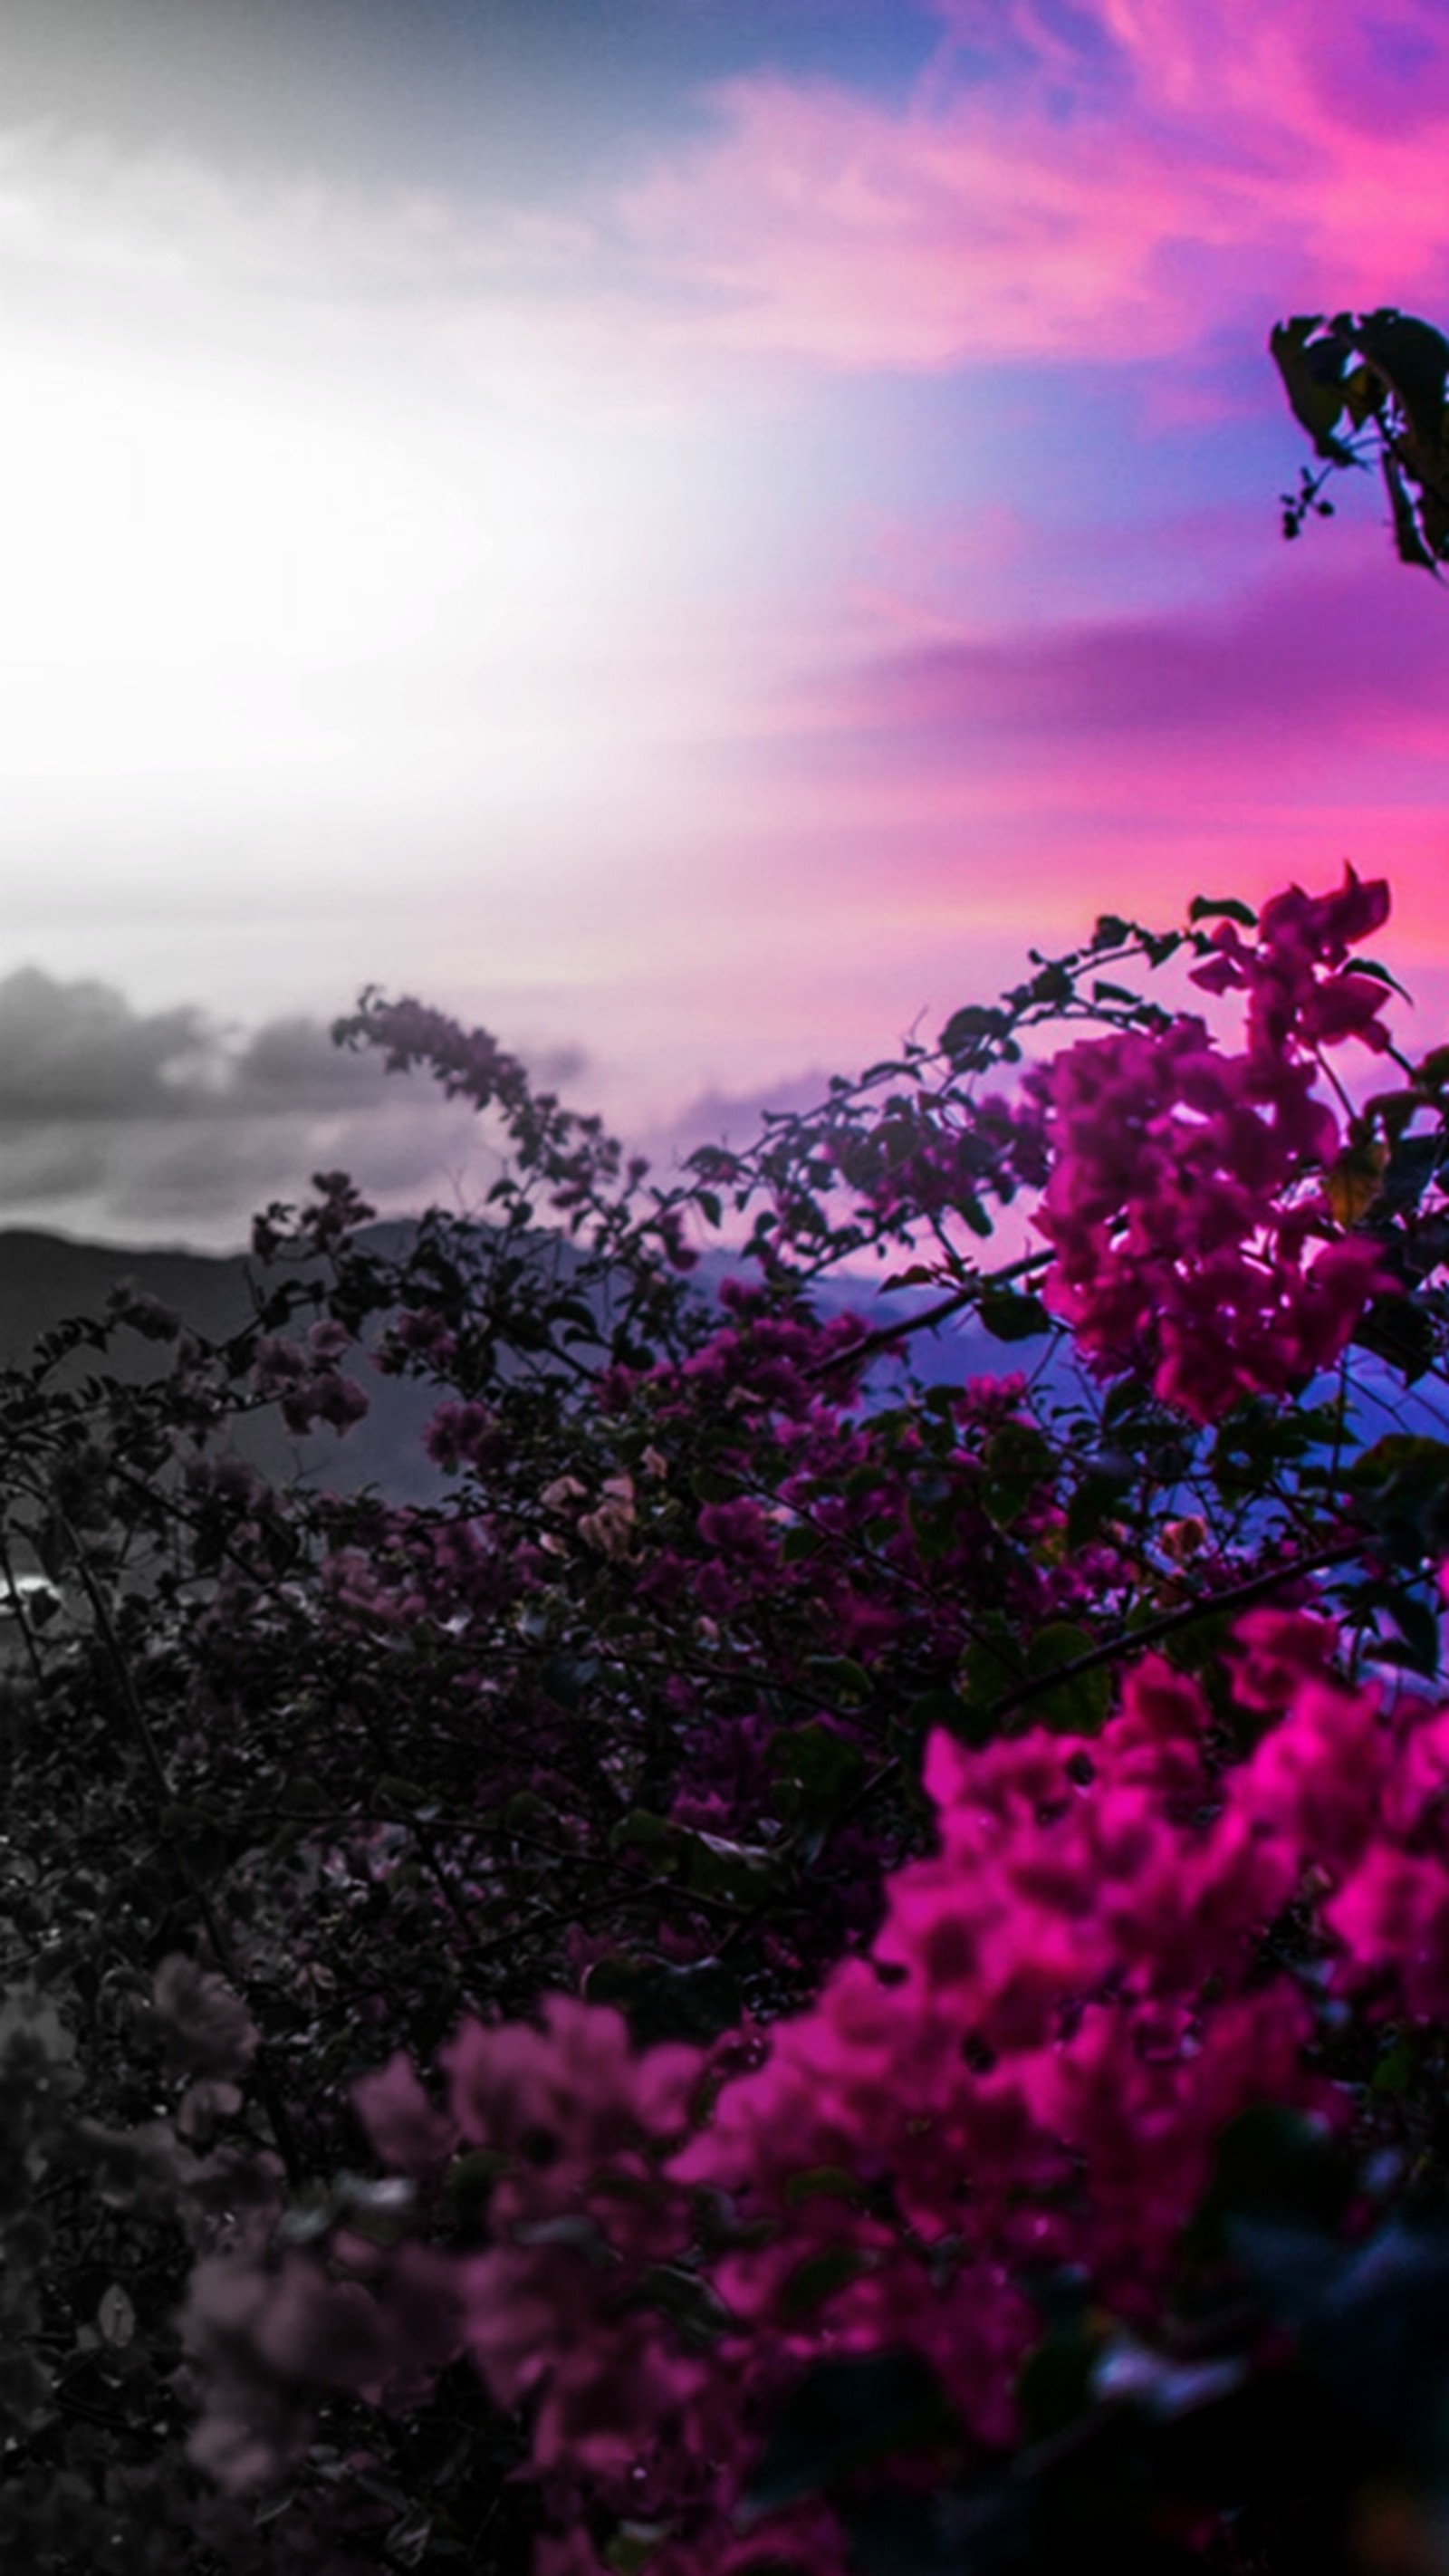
(689, 531)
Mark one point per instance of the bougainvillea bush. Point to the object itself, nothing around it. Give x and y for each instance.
(813, 1968)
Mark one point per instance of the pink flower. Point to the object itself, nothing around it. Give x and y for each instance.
(1175, 1201)
(1315, 1779)
(1392, 1917)
(405, 2128)
(564, 2098)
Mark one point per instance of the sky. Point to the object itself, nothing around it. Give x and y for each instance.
(688, 532)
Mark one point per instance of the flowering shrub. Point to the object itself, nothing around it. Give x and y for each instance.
(1120, 1944)
(800, 1879)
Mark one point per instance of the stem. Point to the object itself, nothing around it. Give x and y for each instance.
(886, 1334)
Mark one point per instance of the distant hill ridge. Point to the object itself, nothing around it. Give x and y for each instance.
(46, 1278)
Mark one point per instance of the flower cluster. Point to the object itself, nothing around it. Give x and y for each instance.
(303, 1378)
(1176, 1204)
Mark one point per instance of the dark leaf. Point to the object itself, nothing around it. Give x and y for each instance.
(1204, 907)
(965, 1031)
(1095, 1500)
(1080, 1703)
(1407, 536)
(993, 2531)
(819, 2276)
(844, 2416)
(1316, 406)
(1402, 1488)
(695, 2002)
(1010, 1317)
(1372, 2320)
(1413, 359)
(817, 1768)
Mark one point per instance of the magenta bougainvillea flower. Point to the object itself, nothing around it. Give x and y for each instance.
(1182, 1201)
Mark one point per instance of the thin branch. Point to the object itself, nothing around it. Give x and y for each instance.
(1207, 1605)
(887, 1334)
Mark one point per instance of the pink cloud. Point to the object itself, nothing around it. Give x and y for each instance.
(1114, 180)
(1313, 670)
(1006, 782)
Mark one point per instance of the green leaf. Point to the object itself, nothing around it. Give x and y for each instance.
(1270, 2163)
(1413, 359)
(800, 1543)
(1407, 538)
(940, 1707)
(703, 1863)
(634, 2544)
(468, 2187)
(1158, 949)
(1204, 907)
(817, 1769)
(660, 2001)
(565, 1679)
(1316, 405)
(1019, 1460)
(1434, 501)
(1396, 2069)
(1095, 1500)
(1363, 394)
(524, 1809)
(697, 2312)
(1354, 1180)
(843, 2416)
(1054, 2386)
(1401, 1485)
(1372, 2320)
(821, 2182)
(1414, 1163)
(1419, 1629)
(840, 1677)
(819, 2276)
(1082, 1703)
(1399, 1331)
(391, 1791)
(993, 1664)
(967, 1029)
(1011, 1317)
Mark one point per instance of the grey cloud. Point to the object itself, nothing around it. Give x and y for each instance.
(732, 1118)
(119, 1122)
(558, 1065)
(80, 1051)
(292, 1064)
(49, 1163)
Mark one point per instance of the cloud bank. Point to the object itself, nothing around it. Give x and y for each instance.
(161, 1126)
